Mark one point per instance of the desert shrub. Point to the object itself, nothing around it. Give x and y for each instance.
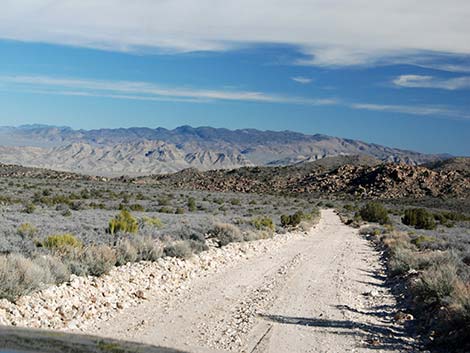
(292, 220)
(423, 241)
(192, 204)
(73, 259)
(435, 285)
(27, 230)
(297, 218)
(180, 249)
(58, 270)
(226, 233)
(136, 207)
(419, 218)
(197, 246)
(235, 202)
(163, 201)
(166, 210)
(153, 222)
(460, 316)
(125, 252)
(349, 207)
(29, 208)
(98, 259)
(219, 201)
(373, 230)
(374, 212)
(20, 276)
(263, 223)
(61, 242)
(402, 260)
(77, 206)
(180, 210)
(124, 222)
(147, 248)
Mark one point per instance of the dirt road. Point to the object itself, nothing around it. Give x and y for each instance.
(321, 293)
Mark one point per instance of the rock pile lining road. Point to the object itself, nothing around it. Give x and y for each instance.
(84, 301)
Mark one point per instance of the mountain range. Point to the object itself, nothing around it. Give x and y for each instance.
(141, 151)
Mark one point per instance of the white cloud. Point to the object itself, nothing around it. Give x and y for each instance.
(302, 80)
(421, 81)
(135, 90)
(146, 91)
(334, 32)
(413, 110)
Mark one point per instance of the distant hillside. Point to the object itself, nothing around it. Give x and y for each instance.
(141, 151)
(460, 164)
(336, 176)
(341, 176)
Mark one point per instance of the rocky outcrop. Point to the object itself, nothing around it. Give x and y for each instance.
(364, 179)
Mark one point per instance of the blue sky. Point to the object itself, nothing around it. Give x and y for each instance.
(322, 67)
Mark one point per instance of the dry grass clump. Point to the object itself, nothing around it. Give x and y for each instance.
(20, 276)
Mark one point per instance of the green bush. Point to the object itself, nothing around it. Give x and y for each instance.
(192, 204)
(61, 242)
(419, 218)
(124, 222)
(374, 212)
(292, 220)
(263, 223)
(423, 241)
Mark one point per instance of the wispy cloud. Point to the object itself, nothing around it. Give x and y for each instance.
(302, 80)
(420, 81)
(412, 109)
(353, 36)
(146, 91)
